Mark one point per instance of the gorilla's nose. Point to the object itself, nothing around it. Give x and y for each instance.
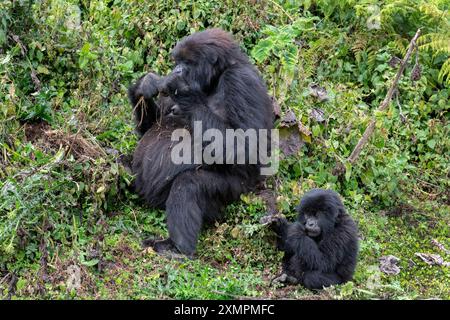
(310, 224)
(178, 70)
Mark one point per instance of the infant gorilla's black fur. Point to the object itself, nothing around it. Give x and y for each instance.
(212, 82)
(321, 247)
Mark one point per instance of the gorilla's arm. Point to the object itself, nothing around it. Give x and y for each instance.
(310, 253)
(195, 107)
(334, 244)
(141, 95)
(332, 249)
(243, 96)
(281, 226)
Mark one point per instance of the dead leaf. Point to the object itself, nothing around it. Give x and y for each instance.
(290, 140)
(304, 129)
(235, 232)
(432, 259)
(318, 115)
(149, 251)
(293, 134)
(289, 119)
(318, 92)
(394, 61)
(388, 265)
(440, 246)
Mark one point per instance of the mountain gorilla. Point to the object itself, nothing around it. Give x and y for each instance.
(321, 247)
(212, 82)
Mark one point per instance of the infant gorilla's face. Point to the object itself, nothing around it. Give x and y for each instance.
(312, 223)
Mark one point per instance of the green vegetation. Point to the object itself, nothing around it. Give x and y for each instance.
(66, 213)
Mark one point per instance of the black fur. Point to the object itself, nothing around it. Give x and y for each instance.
(321, 247)
(213, 82)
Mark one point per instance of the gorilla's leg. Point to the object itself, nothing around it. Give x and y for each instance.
(196, 197)
(318, 280)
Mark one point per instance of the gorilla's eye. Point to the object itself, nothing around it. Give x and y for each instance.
(303, 218)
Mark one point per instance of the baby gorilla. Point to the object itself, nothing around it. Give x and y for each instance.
(321, 247)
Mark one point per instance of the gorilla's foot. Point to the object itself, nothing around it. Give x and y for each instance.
(284, 279)
(166, 248)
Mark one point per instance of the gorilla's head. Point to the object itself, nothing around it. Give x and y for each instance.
(318, 211)
(200, 60)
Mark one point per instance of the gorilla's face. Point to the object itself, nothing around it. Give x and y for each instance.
(201, 58)
(317, 218)
(311, 224)
(190, 75)
(176, 83)
(317, 222)
(318, 211)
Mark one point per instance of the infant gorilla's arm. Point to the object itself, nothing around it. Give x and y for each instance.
(300, 248)
(141, 96)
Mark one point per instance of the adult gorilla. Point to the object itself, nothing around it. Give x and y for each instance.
(212, 82)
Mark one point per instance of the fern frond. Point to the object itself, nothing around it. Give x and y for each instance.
(400, 44)
(431, 10)
(359, 44)
(445, 72)
(437, 42)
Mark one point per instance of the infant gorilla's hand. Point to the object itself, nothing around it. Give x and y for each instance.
(277, 223)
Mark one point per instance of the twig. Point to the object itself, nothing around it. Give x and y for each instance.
(237, 297)
(371, 127)
(282, 9)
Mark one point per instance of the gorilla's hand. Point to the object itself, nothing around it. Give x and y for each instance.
(148, 86)
(174, 84)
(278, 224)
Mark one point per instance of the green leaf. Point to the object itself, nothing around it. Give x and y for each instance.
(289, 60)
(181, 25)
(431, 143)
(42, 69)
(90, 263)
(262, 50)
(2, 37)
